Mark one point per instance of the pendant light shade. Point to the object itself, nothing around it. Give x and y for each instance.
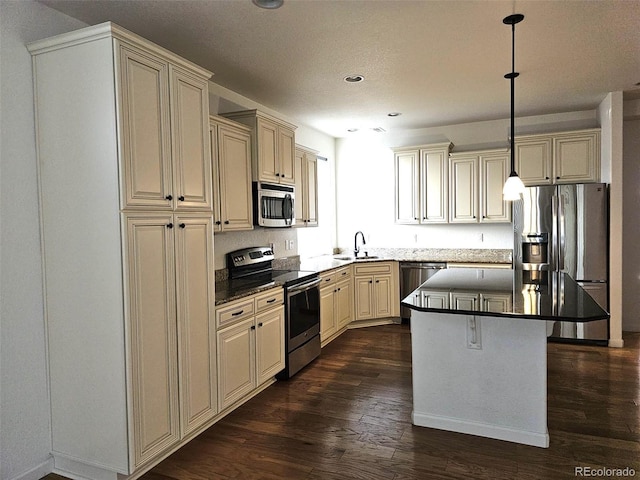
(513, 187)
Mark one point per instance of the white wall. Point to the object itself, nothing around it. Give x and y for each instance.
(308, 242)
(24, 414)
(365, 182)
(610, 115)
(631, 225)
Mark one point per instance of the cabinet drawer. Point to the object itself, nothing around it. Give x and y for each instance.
(373, 268)
(328, 278)
(238, 310)
(343, 273)
(269, 299)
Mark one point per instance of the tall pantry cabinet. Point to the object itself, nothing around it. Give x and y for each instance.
(127, 238)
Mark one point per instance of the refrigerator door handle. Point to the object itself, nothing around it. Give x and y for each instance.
(555, 257)
(561, 232)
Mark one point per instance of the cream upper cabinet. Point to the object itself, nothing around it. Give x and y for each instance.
(476, 181)
(566, 157)
(231, 160)
(123, 123)
(533, 160)
(407, 187)
(463, 204)
(306, 183)
(434, 181)
(272, 144)
(421, 184)
(577, 157)
(164, 130)
(494, 171)
(376, 290)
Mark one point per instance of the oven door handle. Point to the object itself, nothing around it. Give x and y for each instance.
(303, 286)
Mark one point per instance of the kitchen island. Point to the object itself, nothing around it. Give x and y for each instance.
(479, 349)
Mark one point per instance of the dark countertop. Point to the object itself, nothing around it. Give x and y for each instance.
(555, 296)
(226, 291)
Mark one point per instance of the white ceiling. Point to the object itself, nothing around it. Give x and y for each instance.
(436, 62)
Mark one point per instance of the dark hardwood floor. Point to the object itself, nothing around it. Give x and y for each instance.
(348, 416)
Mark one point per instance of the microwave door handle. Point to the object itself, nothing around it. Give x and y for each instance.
(287, 209)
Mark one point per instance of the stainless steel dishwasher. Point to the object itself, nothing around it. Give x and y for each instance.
(412, 275)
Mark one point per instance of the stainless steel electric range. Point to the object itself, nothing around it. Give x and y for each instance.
(252, 267)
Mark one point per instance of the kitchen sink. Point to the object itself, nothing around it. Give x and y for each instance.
(351, 259)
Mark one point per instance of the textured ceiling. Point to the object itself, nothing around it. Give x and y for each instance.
(436, 62)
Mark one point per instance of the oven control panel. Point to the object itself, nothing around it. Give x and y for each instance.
(249, 256)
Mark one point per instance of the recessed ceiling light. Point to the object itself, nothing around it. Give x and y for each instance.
(270, 4)
(353, 78)
(394, 114)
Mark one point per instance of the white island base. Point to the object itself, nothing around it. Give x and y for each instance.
(490, 382)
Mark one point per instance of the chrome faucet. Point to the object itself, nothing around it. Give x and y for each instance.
(356, 249)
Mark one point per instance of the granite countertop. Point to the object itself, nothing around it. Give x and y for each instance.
(551, 296)
(227, 292)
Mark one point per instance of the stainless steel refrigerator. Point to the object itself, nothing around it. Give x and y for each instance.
(565, 228)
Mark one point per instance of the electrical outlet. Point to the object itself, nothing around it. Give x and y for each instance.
(474, 340)
(290, 244)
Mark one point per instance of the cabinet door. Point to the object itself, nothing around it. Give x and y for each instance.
(434, 181)
(435, 299)
(464, 301)
(407, 187)
(190, 141)
(268, 162)
(215, 170)
(236, 362)
(533, 161)
(576, 158)
(364, 298)
(463, 186)
(328, 323)
(144, 130)
(495, 302)
(286, 154)
(299, 181)
(494, 170)
(311, 191)
(383, 296)
(195, 282)
(234, 153)
(152, 334)
(344, 303)
(270, 344)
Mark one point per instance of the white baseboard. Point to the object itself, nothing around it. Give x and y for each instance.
(36, 472)
(480, 429)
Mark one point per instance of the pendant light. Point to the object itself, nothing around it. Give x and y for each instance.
(513, 187)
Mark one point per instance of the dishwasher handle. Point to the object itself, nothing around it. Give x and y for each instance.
(423, 265)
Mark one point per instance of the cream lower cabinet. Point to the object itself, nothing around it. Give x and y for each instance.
(251, 345)
(476, 181)
(171, 292)
(306, 183)
(376, 290)
(336, 302)
(565, 157)
(481, 302)
(231, 160)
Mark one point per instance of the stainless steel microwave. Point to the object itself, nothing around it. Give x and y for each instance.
(274, 205)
